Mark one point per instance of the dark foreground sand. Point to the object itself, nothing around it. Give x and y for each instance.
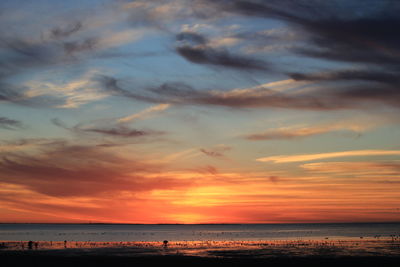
(275, 253)
(56, 260)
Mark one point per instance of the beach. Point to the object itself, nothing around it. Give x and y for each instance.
(371, 252)
(195, 245)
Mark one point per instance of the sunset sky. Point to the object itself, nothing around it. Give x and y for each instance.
(199, 111)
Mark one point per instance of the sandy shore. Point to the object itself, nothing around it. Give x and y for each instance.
(44, 259)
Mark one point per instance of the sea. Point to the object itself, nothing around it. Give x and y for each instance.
(195, 232)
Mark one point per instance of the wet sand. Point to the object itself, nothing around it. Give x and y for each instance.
(372, 252)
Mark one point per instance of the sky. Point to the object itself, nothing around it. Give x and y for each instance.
(199, 111)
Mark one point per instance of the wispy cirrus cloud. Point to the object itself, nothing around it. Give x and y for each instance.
(148, 112)
(71, 94)
(359, 168)
(255, 97)
(354, 126)
(72, 40)
(311, 157)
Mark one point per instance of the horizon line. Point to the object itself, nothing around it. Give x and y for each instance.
(110, 223)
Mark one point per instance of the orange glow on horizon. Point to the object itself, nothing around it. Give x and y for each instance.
(254, 200)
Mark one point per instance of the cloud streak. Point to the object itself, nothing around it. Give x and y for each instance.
(258, 97)
(216, 151)
(311, 157)
(296, 132)
(107, 128)
(151, 111)
(384, 168)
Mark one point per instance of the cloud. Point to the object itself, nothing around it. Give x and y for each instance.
(65, 30)
(366, 75)
(31, 49)
(216, 151)
(301, 96)
(10, 124)
(9, 93)
(328, 31)
(271, 40)
(65, 169)
(335, 32)
(27, 145)
(257, 97)
(195, 48)
(161, 14)
(71, 94)
(119, 131)
(27, 54)
(295, 132)
(107, 127)
(287, 133)
(385, 168)
(144, 113)
(311, 157)
(200, 55)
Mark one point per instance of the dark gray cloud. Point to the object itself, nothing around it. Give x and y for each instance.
(8, 93)
(10, 124)
(353, 31)
(121, 131)
(363, 33)
(215, 152)
(363, 75)
(192, 37)
(108, 128)
(195, 48)
(66, 30)
(207, 55)
(23, 54)
(79, 46)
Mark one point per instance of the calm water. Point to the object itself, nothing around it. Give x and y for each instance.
(245, 232)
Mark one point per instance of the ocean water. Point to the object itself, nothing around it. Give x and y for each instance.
(194, 232)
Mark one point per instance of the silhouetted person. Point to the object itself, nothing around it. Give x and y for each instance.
(30, 244)
(165, 243)
(36, 245)
(65, 243)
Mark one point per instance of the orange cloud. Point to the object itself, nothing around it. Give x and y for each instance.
(62, 182)
(310, 157)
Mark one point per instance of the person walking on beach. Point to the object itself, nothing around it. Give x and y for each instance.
(165, 243)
